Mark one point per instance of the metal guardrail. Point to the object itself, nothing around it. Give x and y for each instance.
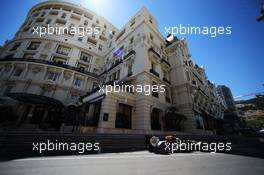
(17, 145)
(21, 144)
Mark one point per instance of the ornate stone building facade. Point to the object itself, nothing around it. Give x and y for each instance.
(48, 73)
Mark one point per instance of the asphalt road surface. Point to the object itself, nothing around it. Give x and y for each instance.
(136, 163)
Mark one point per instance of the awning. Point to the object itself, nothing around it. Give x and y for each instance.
(7, 101)
(97, 99)
(35, 99)
(93, 96)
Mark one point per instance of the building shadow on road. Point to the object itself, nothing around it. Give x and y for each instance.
(20, 145)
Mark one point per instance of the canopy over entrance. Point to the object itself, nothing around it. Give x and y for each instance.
(35, 99)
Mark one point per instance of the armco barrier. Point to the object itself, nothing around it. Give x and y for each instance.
(17, 144)
(21, 144)
(219, 138)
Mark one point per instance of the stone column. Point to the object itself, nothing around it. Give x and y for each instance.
(25, 71)
(11, 70)
(44, 72)
(61, 77)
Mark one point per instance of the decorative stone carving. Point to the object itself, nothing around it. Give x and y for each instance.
(48, 87)
(36, 69)
(67, 75)
(48, 46)
(53, 69)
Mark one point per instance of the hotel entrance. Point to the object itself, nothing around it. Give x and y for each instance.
(40, 112)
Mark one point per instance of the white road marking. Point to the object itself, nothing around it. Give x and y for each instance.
(115, 156)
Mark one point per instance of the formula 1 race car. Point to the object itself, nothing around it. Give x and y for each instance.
(168, 144)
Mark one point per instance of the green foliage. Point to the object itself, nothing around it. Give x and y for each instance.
(256, 122)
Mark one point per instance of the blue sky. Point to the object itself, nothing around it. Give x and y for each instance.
(235, 60)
